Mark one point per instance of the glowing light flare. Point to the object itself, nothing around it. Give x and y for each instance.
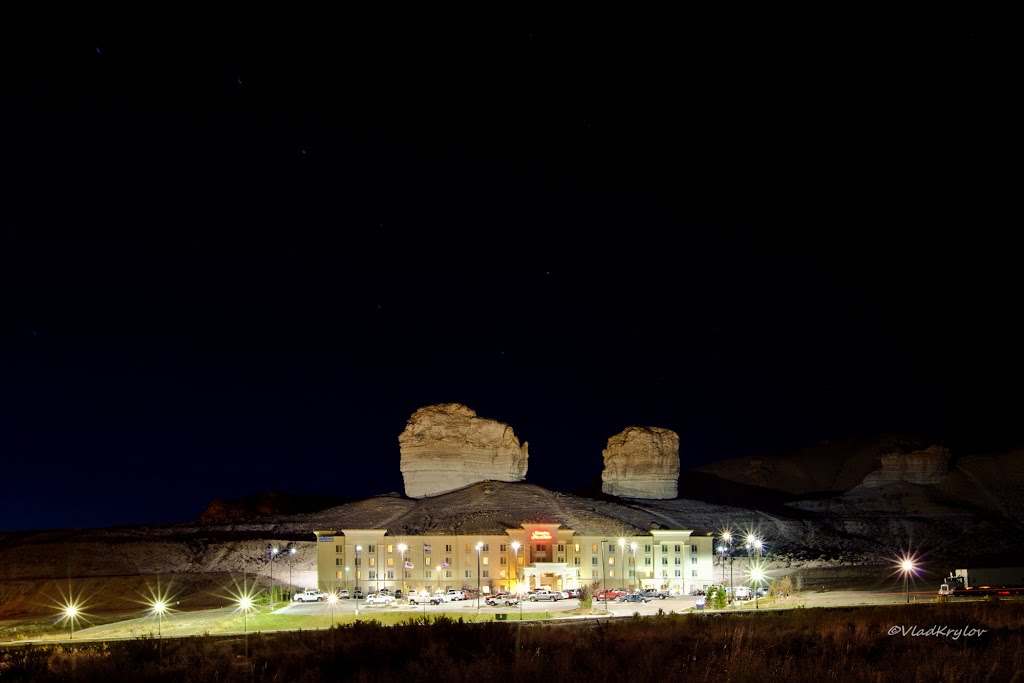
(622, 543)
(332, 598)
(479, 545)
(71, 608)
(402, 548)
(516, 545)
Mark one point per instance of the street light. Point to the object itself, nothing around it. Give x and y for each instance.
(479, 547)
(516, 545)
(291, 561)
(622, 556)
(333, 599)
(273, 553)
(402, 548)
(346, 580)
(727, 550)
(438, 569)
(358, 549)
(71, 614)
(907, 566)
(604, 575)
(757, 577)
(632, 549)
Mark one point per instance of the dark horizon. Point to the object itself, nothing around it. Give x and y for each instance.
(229, 262)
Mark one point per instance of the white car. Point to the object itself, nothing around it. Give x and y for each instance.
(310, 596)
(379, 599)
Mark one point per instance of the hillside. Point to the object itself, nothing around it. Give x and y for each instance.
(969, 514)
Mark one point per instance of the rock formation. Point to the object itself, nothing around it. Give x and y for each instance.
(642, 462)
(448, 446)
(927, 466)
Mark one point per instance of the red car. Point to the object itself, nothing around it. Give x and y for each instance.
(608, 594)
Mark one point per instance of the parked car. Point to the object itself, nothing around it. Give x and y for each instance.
(545, 595)
(357, 593)
(423, 599)
(697, 591)
(379, 599)
(457, 594)
(654, 593)
(496, 599)
(398, 594)
(608, 594)
(633, 597)
(343, 594)
(310, 596)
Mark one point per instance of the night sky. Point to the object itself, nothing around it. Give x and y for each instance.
(236, 261)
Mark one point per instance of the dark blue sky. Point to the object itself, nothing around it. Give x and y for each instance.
(235, 264)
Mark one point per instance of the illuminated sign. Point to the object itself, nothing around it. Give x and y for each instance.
(540, 536)
(326, 539)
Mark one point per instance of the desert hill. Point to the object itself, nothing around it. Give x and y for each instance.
(843, 510)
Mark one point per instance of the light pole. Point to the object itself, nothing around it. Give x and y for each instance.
(757, 578)
(358, 548)
(346, 581)
(291, 561)
(71, 613)
(519, 586)
(907, 566)
(273, 553)
(402, 548)
(479, 547)
(632, 549)
(333, 599)
(604, 573)
(622, 557)
(438, 568)
(245, 604)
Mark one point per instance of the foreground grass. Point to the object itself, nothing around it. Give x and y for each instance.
(852, 644)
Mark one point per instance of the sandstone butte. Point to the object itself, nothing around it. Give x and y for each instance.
(448, 446)
(642, 462)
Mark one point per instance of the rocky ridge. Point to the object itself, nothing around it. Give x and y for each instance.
(641, 462)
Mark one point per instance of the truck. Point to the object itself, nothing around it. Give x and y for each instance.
(654, 593)
(984, 581)
(424, 599)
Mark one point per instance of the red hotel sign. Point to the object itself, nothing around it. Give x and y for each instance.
(540, 536)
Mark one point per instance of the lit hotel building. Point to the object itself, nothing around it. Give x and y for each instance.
(535, 555)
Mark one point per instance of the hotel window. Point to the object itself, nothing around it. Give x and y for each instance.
(407, 574)
(448, 560)
(448, 574)
(695, 572)
(632, 560)
(561, 559)
(373, 574)
(372, 561)
(359, 561)
(337, 561)
(359, 575)
(447, 548)
(593, 548)
(679, 572)
(632, 573)
(486, 548)
(501, 548)
(467, 547)
(468, 561)
(337, 548)
(664, 548)
(593, 560)
(522, 559)
(647, 548)
(647, 560)
(426, 573)
(664, 560)
(693, 559)
(693, 548)
(611, 574)
(391, 562)
(486, 561)
(611, 547)
(576, 561)
(426, 560)
(389, 574)
(611, 560)
(561, 547)
(679, 548)
(502, 560)
(339, 576)
(469, 574)
(576, 547)
(370, 549)
(487, 573)
(593, 574)
(541, 548)
(391, 548)
(501, 574)
(679, 560)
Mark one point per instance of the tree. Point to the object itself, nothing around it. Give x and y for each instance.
(786, 586)
(717, 597)
(586, 596)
